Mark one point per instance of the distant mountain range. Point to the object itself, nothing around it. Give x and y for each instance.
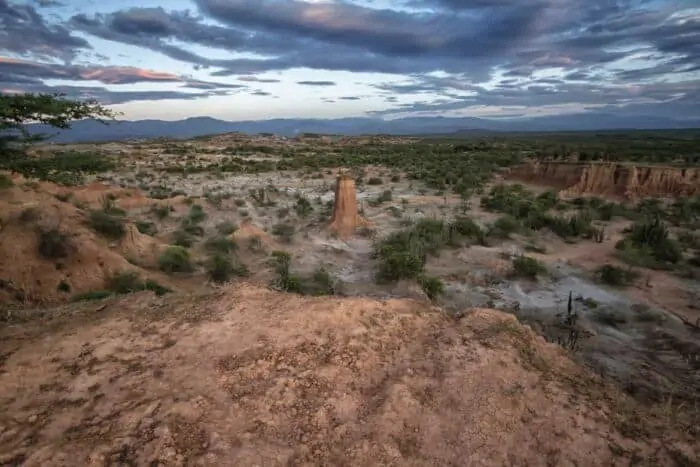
(90, 130)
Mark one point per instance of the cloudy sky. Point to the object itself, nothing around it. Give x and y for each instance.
(257, 59)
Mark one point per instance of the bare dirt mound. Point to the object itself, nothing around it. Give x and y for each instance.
(247, 376)
(345, 218)
(140, 248)
(615, 180)
(249, 232)
(48, 253)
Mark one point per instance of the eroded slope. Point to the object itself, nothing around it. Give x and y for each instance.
(246, 376)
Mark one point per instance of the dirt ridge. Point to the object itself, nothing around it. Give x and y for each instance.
(245, 376)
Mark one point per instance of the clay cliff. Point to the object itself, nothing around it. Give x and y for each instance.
(614, 180)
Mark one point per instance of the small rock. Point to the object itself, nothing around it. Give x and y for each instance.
(32, 419)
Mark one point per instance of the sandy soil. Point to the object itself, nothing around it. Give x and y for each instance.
(246, 376)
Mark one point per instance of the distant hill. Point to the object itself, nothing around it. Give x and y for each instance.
(90, 130)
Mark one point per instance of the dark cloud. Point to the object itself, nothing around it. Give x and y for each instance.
(672, 99)
(544, 52)
(108, 97)
(255, 79)
(48, 3)
(349, 98)
(23, 31)
(316, 83)
(14, 71)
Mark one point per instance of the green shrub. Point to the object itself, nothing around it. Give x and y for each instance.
(196, 214)
(156, 288)
(145, 227)
(432, 286)
(54, 244)
(226, 227)
(385, 196)
(220, 244)
(505, 226)
(161, 212)
(175, 259)
(285, 280)
(130, 282)
(321, 283)
(182, 238)
(91, 295)
(615, 276)
(284, 231)
(125, 282)
(303, 207)
(375, 181)
(220, 268)
(109, 225)
(467, 227)
(648, 242)
(6, 182)
(527, 267)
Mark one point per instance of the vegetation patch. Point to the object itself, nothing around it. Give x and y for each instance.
(175, 259)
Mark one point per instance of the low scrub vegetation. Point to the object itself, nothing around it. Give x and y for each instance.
(175, 259)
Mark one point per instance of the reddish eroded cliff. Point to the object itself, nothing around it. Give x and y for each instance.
(615, 180)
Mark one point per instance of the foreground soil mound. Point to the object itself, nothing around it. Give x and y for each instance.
(615, 180)
(247, 376)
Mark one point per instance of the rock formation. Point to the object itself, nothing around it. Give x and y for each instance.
(615, 180)
(345, 218)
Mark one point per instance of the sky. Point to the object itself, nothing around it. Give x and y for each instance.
(261, 59)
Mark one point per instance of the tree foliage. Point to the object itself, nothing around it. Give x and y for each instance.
(55, 110)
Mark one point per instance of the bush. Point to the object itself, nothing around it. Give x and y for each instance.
(321, 283)
(615, 276)
(161, 212)
(505, 226)
(175, 259)
(197, 214)
(648, 242)
(6, 182)
(226, 227)
(125, 282)
(400, 264)
(432, 286)
(91, 295)
(375, 181)
(130, 282)
(109, 225)
(145, 227)
(191, 227)
(284, 231)
(285, 280)
(527, 267)
(182, 238)
(220, 268)
(466, 227)
(220, 244)
(54, 244)
(303, 207)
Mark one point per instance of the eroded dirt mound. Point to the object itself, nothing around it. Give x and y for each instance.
(624, 181)
(49, 254)
(345, 218)
(253, 377)
(251, 233)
